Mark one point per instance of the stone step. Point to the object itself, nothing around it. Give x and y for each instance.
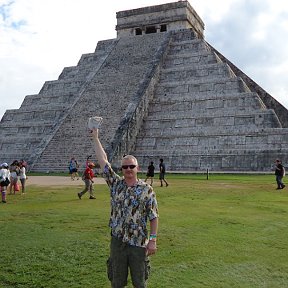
(88, 61)
(235, 161)
(42, 103)
(49, 115)
(210, 86)
(195, 45)
(207, 103)
(196, 72)
(54, 106)
(12, 140)
(56, 87)
(165, 130)
(188, 148)
(191, 153)
(18, 129)
(205, 116)
(212, 101)
(190, 136)
(191, 58)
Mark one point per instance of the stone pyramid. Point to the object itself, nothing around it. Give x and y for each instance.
(163, 91)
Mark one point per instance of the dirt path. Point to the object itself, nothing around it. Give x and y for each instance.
(58, 181)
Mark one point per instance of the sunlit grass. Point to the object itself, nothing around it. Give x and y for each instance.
(228, 231)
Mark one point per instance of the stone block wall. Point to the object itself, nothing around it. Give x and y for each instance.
(205, 116)
(25, 132)
(163, 95)
(109, 94)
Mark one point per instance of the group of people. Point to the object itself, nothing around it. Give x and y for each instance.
(162, 171)
(134, 210)
(133, 205)
(89, 174)
(10, 177)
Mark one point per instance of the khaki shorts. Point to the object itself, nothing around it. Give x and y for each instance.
(124, 256)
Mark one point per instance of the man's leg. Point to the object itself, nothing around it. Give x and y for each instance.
(3, 194)
(91, 190)
(87, 182)
(118, 263)
(281, 182)
(139, 266)
(278, 180)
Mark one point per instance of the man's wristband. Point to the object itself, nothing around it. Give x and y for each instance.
(153, 237)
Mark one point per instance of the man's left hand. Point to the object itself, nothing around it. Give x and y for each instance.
(151, 248)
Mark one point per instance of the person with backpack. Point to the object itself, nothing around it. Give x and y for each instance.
(4, 180)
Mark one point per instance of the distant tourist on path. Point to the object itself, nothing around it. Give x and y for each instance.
(279, 172)
(150, 172)
(162, 169)
(87, 177)
(133, 204)
(73, 168)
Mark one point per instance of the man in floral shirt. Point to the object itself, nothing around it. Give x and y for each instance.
(133, 204)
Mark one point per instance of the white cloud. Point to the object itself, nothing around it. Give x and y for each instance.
(41, 37)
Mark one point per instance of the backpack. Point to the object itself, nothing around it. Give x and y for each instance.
(5, 182)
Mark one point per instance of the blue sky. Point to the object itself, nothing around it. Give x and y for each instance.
(38, 38)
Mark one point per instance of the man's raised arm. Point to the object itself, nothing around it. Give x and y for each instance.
(101, 155)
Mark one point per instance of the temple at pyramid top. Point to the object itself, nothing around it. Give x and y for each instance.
(160, 18)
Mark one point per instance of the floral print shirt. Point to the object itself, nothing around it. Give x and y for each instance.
(131, 208)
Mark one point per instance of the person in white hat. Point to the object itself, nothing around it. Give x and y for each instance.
(4, 180)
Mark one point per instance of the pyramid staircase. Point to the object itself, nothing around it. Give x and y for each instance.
(51, 127)
(164, 95)
(26, 131)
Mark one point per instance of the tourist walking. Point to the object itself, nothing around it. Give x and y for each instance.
(162, 173)
(73, 168)
(133, 203)
(87, 177)
(150, 172)
(4, 180)
(279, 172)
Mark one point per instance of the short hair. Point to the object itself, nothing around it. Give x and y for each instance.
(129, 157)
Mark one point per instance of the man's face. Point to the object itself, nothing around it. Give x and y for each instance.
(129, 168)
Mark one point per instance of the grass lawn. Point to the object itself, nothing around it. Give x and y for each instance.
(228, 231)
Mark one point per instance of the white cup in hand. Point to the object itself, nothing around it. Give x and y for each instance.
(94, 122)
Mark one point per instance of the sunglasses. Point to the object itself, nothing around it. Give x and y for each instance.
(130, 166)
